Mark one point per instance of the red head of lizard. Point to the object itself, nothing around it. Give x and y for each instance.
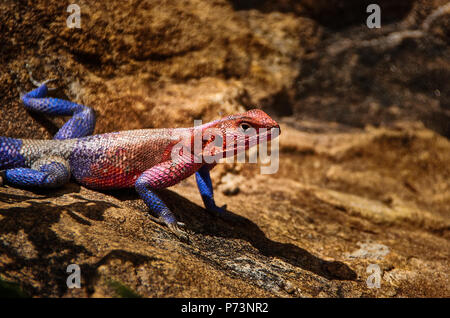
(232, 134)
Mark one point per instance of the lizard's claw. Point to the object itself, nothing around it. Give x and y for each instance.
(177, 228)
(37, 83)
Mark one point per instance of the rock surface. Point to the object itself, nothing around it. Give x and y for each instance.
(363, 185)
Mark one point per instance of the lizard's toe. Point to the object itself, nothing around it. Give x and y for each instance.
(158, 220)
(177, 229)
(37, 83)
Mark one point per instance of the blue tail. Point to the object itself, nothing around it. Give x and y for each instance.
(10, 156)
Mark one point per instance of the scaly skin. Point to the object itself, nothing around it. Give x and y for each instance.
(147, 159)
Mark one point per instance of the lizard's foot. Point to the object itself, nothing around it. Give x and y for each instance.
(221, 212)
(216, 210)
(178, 229)
(37, 83)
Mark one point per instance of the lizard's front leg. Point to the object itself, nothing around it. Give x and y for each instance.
(205, 188)
(162, 176)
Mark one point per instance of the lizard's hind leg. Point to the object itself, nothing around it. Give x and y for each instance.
(49, 172)
(82, 122)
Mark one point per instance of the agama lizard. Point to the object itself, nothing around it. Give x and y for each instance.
(147, 159)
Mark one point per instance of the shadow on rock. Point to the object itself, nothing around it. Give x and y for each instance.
(236, 226)
(44, 254)
(40, 193)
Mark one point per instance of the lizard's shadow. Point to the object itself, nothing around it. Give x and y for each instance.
(235, 226)
(41, 252)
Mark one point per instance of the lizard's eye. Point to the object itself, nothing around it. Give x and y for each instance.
(244, 127)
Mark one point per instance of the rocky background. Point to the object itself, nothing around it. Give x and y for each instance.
(364, 176)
